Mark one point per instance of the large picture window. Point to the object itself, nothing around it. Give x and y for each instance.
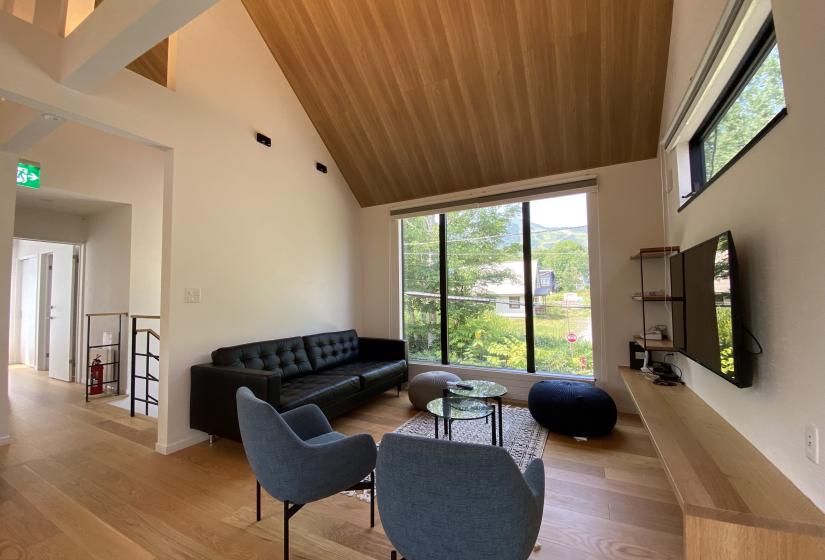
(752, 103)
(505, 287)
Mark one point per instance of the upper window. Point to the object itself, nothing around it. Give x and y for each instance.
(752, 103)
(503, 286)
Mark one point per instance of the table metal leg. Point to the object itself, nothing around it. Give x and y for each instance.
(450, 429)
(493, 434)
(436, 426)
(500, 423)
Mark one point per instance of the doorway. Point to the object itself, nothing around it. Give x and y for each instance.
(44, 310)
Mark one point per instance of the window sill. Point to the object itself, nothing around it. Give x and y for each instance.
(462, 370)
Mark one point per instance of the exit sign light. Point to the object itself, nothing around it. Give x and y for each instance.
(28, 175)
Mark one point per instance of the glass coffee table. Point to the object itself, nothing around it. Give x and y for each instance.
(482, 390)
(450, 409)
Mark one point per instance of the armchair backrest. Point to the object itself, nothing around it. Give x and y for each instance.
(449, 500)
(272, 448)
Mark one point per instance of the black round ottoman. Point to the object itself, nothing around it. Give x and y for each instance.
(572, 408)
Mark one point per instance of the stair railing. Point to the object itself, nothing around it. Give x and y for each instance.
(148, 356)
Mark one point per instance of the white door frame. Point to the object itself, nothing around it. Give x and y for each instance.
(77, 349)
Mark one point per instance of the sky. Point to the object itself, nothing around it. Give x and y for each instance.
(560, 211)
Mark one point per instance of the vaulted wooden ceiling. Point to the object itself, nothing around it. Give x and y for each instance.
(422, 97)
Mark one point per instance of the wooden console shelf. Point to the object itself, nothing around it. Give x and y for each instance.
(737, 505)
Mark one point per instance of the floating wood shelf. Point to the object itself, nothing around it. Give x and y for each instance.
(656, 252)
(655, 345)
(737, 505)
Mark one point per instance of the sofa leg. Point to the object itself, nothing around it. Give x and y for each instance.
(398, 389)
(393, 555)
(211, 439)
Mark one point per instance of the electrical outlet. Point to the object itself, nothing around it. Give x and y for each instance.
(812, 443)
(192, 295)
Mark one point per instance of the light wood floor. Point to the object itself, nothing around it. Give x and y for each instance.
(82, 481)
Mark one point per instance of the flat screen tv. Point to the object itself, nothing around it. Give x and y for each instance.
(707, 325)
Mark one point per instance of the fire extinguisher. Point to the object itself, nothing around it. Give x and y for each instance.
(96, 385)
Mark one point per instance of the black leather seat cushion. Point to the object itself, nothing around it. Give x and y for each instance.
(318, 389)
(326, 350)
(286, 356)
(370, 373)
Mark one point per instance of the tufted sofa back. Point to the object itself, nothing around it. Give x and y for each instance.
(330, 349)
(286, 356)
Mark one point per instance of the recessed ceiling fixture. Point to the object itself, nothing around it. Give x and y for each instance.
(50, 117)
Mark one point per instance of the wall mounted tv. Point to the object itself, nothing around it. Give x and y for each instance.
(707, 322)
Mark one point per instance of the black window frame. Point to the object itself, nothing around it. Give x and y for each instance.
(755, 55)
(530, 300)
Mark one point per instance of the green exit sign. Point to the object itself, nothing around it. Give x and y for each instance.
(28, 175)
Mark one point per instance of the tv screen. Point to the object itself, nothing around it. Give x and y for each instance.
(706, 322)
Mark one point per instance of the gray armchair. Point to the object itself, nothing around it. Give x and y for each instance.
(298, 458)
(442, 500)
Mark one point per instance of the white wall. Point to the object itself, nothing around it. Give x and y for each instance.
(270, 242)
(772, 201)
(8, 165)
(36, 223)
(629, 216)
(85, 161)
(107, 275)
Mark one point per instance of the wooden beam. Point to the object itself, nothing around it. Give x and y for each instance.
(117, 33)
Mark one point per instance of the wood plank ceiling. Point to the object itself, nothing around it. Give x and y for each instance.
(423, 97)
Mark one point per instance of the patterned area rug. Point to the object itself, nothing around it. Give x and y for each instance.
(524, 438)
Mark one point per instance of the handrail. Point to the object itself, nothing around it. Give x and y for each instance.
(111, 314)
(150, 331)
(147, 355)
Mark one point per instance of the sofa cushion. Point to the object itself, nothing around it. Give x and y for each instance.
(318, 389)
(286, 356)
(370, 373)
(329, 349)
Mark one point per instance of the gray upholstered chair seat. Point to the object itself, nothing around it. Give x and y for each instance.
(325, 438)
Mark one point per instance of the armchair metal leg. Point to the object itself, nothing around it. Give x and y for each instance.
(257, 500)
(289, 511)
(372, 499)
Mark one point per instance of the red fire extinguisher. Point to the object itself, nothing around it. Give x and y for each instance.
(96, 385)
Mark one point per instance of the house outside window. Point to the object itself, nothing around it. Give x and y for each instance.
(465, 296)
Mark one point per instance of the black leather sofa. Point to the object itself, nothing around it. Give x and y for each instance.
(338, 371)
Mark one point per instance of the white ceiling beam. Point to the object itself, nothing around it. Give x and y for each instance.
(35, 130)
(118, 32)
(51, 16)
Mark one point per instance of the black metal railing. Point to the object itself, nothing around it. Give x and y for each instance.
(148, 356)
(102, 374)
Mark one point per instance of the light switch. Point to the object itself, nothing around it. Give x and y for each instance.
(192, 295)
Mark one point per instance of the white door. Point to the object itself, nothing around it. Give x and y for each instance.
(60, 313)
(29, 295)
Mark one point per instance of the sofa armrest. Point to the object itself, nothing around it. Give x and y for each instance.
(382, 348)
(212, 405)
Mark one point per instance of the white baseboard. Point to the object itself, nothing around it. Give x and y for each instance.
(169, 448)
(5, 440)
